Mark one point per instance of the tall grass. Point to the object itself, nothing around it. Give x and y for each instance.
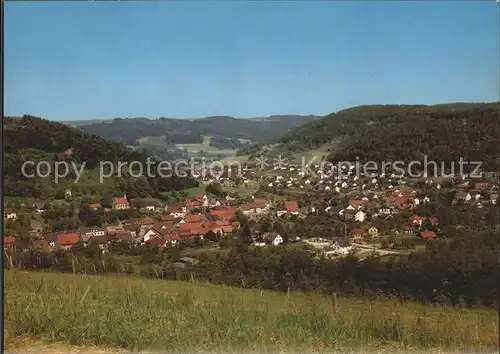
(141, 314)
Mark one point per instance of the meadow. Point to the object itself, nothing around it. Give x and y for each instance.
(143, 314)
(192, 149)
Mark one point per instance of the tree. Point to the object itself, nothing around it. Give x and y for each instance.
(89, 217)
(60, 194)
(427, 225)
(215, 189)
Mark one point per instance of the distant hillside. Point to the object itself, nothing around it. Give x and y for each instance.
(35, 139)
(129, 130)
(403, 132)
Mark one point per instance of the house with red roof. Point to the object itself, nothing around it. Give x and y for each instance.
(121, 203)
(262, 203)
(167, 218)
(194, 218)
(171, 238)
(235, 224)
(145, 221)
(292, 207)
(151, 234)
(192, 204)
(9, 241)
(224, 214)
(428, 234)
(401, 203)
(157, 240)
(249, 208)
(481, 185)
(194, 230)
(67, 240)
(416, 220)
(95, 206)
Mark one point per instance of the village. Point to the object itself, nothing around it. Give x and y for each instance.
(374, 214)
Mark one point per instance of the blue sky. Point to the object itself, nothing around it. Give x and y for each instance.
(91, 60)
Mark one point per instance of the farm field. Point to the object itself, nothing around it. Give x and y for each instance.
(205, 146)
(142, 314)
(191, 148)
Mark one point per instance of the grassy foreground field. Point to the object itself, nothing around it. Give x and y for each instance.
(141, 314)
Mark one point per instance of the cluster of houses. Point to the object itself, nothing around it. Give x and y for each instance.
(368, 198)
(198, 218)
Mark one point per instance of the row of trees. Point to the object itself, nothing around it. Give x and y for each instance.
(221, 142)
(463, 270)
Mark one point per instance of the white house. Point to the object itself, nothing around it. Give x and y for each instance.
(280, 213)
(149, 208)
(278, 240)
(88, 232)
(10, 215)
(340, 248)
(67, 194)
(271, 237)
(360, 216)
(151, 234)
(177, 214)
(384, 211)
(259, 243)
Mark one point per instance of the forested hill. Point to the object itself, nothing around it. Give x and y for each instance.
(263, 130)
(403, 132)
(30, 132)
(35, 139)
